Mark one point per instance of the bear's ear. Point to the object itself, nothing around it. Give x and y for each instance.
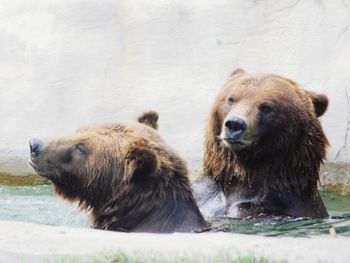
(141, 163)
(237, 71)
(150, 119)
(320, 102)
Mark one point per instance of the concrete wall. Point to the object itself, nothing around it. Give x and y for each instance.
(65, 63)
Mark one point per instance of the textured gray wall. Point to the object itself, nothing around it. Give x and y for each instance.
(65, 63)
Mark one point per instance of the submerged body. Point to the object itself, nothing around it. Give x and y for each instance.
(124, 174)
(264, 146)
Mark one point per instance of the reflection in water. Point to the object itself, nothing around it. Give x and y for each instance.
(31, 179)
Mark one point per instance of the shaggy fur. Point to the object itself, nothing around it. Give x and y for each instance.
(125, 175)
(277, 172)
(149, 118)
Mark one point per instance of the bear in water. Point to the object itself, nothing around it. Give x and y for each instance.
(124, 174)
(264, 145)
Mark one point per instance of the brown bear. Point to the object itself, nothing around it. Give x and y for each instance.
(264, 146)
(123, 174)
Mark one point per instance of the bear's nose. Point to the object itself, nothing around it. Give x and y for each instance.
(235, 126)
(35, 146)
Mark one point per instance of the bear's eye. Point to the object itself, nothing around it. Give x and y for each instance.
(266, 107)
(231, 100)
(81, 148)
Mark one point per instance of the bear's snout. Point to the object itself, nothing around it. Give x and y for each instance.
(35, 146)
(234, 127)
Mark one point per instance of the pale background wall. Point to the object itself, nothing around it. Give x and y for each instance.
(65, 63)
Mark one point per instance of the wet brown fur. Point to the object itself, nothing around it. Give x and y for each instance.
(149, 118)
(125, 175)
(279, 172)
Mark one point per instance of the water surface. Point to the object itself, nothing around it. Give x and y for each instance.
(36, 203)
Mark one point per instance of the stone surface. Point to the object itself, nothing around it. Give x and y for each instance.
(336, 177)
(65, 63)
(23, 242)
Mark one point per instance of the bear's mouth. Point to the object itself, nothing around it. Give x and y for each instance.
(233, 141)
(39, 171)
(235, 144)
(36, 168)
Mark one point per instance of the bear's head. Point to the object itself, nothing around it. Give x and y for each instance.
(268, 112)
(86, 165)
(123, 173)
(268, 124)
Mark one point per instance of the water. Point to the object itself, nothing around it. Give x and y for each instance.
(36, 203)
(295, 227)
(338, 207)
